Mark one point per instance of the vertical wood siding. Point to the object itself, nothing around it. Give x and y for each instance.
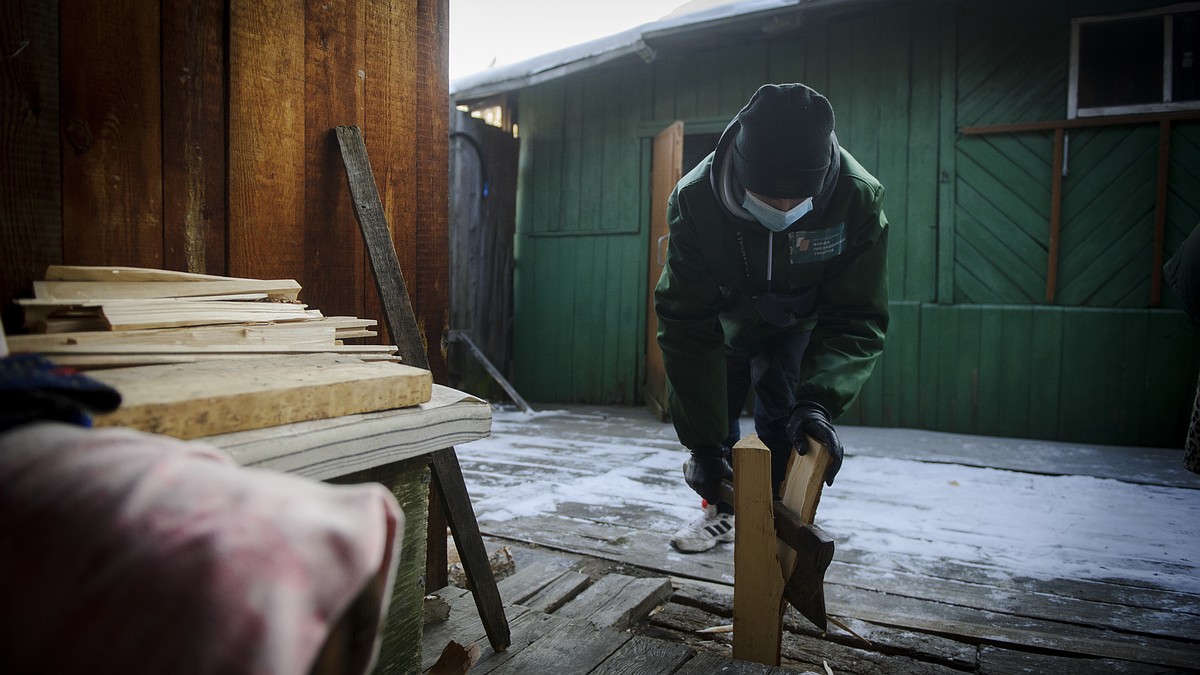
(198, 135)
(972, 348)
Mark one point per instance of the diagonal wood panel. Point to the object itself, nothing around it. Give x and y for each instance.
(1108, 217)
(1003, 203)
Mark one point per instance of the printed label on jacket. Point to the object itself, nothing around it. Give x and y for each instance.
(816, 245)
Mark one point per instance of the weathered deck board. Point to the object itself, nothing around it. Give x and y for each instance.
(571, 647)
(617, 600)
(1083, 580)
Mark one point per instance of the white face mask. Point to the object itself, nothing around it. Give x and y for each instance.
(772, 218)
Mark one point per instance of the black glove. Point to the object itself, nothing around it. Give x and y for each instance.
(706, 468)
(812, 419)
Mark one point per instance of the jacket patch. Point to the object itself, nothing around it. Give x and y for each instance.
(808, 246)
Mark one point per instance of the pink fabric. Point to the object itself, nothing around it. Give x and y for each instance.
(125, 552)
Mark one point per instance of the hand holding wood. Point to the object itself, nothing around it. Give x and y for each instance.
(812, 419)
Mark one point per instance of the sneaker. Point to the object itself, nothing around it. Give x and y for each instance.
(705, 532)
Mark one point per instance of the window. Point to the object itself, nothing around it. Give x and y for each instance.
(1135, 63)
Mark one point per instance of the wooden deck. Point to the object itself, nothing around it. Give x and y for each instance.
(956, 554)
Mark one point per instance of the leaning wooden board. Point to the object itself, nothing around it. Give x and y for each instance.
(201, 399)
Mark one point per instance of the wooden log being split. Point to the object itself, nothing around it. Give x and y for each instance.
(763, 563)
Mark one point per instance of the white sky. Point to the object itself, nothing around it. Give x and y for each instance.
(509, 31)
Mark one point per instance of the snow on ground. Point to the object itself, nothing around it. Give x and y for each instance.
(1006, 522)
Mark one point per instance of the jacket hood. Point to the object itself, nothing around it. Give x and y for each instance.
(730, 193)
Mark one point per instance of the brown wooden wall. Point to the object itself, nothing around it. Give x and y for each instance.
(197, 135)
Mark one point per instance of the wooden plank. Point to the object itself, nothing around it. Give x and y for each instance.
(119, 273)
(455, 501)
(758, 586)
(130, 317)
(528, 580)
(112, 131)
(108, 361)
(706, 663)
(334, 56)
(528, 628)
(389, 125)
(573, 647)
(299, 332)
(266, 151)
(645, 656)
(193, 119)
(1000, 661)
(192, 400)
(102, 290)
(120, 349)
(465, 626)
(432, 91)
(617, 600)
(558, 592)
(408, 480)
(1005, 629)
(1056, 196)
(385, 265)
(30, 163)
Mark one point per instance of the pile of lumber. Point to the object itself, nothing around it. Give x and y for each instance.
(109, 317)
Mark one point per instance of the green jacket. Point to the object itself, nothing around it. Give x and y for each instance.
(704, 298)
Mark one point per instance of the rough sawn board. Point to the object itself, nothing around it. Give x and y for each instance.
(202, 399)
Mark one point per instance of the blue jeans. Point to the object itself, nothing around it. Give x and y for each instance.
(774, 372)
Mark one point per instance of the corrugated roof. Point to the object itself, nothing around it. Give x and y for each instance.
(635, 42)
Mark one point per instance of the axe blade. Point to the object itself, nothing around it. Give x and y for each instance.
(805, 586)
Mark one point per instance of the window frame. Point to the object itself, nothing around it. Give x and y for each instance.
(1166, 104)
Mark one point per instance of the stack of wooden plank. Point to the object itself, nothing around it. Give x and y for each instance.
(107, 317)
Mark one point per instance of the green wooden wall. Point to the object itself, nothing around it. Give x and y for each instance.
(974, 347)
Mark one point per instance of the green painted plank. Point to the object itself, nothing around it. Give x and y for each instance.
(966, 369)
(947, 153)
(628, 260)
(1092, 351)
(575, 166)
(916, 254)
(545, 151)
(1045, 373)
(992, 371)
(903, 342)
(1013, 385)
(1132, 397)
(585, 310)
(939, 339)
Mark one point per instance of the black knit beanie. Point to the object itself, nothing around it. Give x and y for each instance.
(784, 142)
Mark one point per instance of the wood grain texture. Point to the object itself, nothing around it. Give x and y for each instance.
(30, 169)
(112, 132)
(333, 96)
(400, 652)
(448, 478)
(432, 178)
(385, 265)
(266, 139)
(106, 290)
(758, 585)
(202, 399)
(390, 126)
(193, 118)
